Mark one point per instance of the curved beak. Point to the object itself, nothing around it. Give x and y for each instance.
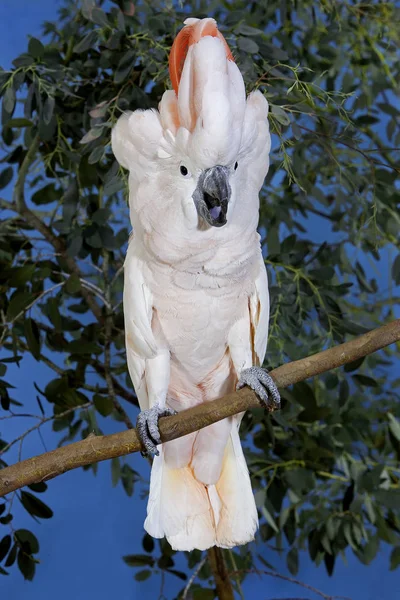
(212, 195)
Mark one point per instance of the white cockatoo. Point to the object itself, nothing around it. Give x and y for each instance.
(196, 300)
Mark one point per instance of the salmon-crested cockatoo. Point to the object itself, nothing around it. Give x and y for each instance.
(196, 299)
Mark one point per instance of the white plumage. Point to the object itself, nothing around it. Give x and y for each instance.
(196, 297)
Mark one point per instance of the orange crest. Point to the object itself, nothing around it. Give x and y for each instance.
(189, 35)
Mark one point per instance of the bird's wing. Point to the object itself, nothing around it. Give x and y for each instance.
(140, 342)
(259, 315)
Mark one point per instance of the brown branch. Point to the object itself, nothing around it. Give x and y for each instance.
(220, 573)
(95, 449)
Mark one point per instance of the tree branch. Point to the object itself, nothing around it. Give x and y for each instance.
(220, 573)
(95, 449)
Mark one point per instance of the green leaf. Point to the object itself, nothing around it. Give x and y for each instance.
(370, 549)
(389, 109)
(125, 66)
(46, 195)
(113, 186)
(12, 556)
(245, 29)
(364, 380)
(39, 487)
(26, 565)
(5, 546)
(353, 366)
(279, 114)
(104, 404)
(394, 426)
(19, 123)
(395, 558)
(389, 498)
(138, 560)
(128, 477)
(366, 120)
(396, 270)
(34, 506)
(115, 471)
(92, 135)
(143, 575)
(7, 519)
(48, 109)
(292, 561)
(344, 392)
(54, 313)
(96, 155)
(21, 275)
(86, 42)
(247, 45)
(73, 284)
(83, 347)
(5, 177)
(270, 520)
(323, 273)
(87, 8)
(9, 100)
(99, 17)
(32, 336)
(100, 110)
(35, 48)
(178, 574)
(29, 541)
(329, 560)
(18, 304)
(296, 131)
(148, 543)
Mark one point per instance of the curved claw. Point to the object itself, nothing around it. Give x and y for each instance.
(264, 386)
(147, 428)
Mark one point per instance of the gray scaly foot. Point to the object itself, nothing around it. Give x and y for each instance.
(147, 428)
(264, 386)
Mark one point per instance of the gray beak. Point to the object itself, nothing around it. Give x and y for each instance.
(212, 195)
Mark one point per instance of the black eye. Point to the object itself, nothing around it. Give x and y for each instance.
(236, 165)
(184, 170)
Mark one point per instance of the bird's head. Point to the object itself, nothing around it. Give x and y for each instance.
(206, 147)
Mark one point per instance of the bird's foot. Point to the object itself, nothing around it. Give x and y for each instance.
(264, 386)
(147, 428)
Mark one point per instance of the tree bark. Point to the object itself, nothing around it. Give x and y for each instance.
(95, 449)
(218, 567)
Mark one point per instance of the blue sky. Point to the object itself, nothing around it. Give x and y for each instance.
(95, 524)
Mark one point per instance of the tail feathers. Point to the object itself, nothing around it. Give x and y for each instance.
(238, 519)
(179, 508)
(195, 516)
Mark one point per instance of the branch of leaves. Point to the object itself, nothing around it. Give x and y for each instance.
(21, 544)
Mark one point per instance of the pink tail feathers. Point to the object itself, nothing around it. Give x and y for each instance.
(193, 515)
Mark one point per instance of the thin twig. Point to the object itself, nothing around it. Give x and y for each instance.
(291, 580)
(193, 577)
(42, 422)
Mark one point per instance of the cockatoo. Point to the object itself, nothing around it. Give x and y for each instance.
(196, 300)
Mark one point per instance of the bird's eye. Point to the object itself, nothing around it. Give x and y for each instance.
(184, 170)
(236, 165)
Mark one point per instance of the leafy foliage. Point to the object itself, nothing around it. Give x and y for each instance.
(326, 468)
